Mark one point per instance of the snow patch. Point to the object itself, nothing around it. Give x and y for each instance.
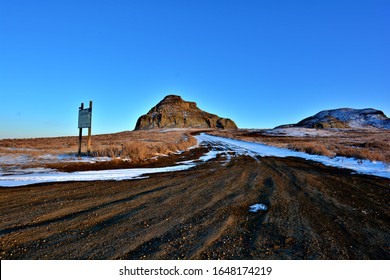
(47, 158)
(298, 132)
(75, 158)
(15, 160)
(116, 174)
(257, 207)
(20, 171)
(210, 155)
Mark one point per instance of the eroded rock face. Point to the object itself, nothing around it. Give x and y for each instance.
(174, 112)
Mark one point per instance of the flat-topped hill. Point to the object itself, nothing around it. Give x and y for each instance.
(174, 112)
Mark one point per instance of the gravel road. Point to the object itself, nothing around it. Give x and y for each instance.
(313, 212)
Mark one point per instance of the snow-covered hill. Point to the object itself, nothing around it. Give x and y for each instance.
(347, 118)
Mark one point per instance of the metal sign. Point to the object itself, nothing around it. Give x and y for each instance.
(85, 117)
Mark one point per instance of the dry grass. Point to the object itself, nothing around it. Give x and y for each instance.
(311, 148)
(143, 145)
(131, 145)
(361, 153)
(40, 146)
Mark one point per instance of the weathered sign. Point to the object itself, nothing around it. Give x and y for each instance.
(85, 120)
(85, 117)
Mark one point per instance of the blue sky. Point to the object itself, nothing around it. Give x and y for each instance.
(261, 63)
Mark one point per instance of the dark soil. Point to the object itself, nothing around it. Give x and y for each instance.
(314, 212)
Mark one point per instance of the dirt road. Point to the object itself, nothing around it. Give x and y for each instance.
(314, 212)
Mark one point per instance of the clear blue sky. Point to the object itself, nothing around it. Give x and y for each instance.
(261, 63)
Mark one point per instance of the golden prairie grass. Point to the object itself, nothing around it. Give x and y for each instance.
(132, 145)
(311, 148)
(137, 150)
(361, 153)
(338, 150)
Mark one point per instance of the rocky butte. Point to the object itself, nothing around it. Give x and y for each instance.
(345, 118)
(174, 112)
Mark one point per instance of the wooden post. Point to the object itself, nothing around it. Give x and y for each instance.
(80, 132)
(89, 131)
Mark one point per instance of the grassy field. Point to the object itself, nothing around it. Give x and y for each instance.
(131, 145)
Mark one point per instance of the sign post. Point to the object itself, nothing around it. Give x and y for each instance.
(85, 120)
(80, 130)
(89, 130)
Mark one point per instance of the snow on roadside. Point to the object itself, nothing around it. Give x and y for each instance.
(6, 171)
(116, 174)
(14, 177)
(299, 132)
(19, 160)
(256, 149)
(75, 158)
(209, 155)
(12, 173)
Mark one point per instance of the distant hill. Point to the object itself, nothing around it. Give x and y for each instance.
(174, 112)
(345, 118)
